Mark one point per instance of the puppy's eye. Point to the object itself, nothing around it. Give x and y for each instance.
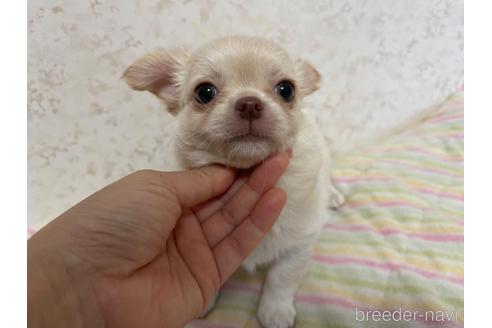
(205, 92)
(286, 90)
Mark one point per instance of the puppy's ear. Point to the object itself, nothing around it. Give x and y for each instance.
(159, 72)
(309, 77)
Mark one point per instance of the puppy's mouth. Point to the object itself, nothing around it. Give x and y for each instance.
(250, 133)
(249, 137)
(246, 145)
(245, 150)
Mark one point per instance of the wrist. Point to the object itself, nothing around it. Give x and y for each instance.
(56, 297)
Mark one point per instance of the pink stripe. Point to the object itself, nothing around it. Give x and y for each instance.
(460, 222)
(421, 168)
(391, 232)
(439, 114)
(389, 266)
(313, 299)
(342, 179)
(453, 135)
(438, 119)
(444, 157)
(440, 194)
(301, 298)
(317, 299)
(438, 156)
(385, 204)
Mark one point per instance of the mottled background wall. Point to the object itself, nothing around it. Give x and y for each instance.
(381, 60)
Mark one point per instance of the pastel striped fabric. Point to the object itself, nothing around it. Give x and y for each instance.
(396, 245)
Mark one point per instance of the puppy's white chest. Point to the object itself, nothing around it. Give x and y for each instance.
(300, 222)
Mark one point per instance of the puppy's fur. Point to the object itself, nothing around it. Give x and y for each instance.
(208, 133)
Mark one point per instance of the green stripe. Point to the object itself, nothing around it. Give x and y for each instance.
(403, 250)
(430, 145)
(418, 159)
(432, 151)
(391, 188)
(403, 289)
(398, 174)
(404, 215)
(397, 214)
(449, 126)
(396, 240)
(420, 224)
(412, 172)
(396, 194)
(413, 285)
(356, 271)
(402, 149)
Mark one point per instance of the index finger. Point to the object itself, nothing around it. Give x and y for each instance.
(237, 208)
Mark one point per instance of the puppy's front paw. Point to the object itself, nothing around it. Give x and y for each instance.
(336, 198)
(276, 313)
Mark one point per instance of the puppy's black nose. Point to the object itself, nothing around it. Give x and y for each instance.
(249, 108)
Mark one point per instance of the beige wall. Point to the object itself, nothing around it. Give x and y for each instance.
(381, 61)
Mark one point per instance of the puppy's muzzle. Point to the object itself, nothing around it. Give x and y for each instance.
(249, 108)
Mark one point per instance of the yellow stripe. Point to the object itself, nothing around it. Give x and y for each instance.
(380, 255)
(389, 223)
(383, 196)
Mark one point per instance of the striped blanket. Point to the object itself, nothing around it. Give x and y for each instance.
(394, 249)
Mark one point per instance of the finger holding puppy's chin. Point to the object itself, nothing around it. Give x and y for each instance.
(260, 179)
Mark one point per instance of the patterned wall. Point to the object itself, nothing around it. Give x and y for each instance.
(381, 60)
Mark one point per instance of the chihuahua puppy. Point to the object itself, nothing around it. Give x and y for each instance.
(239, 100)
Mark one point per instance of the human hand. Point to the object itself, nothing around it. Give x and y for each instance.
(151, 249)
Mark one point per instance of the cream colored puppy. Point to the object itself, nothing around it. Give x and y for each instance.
(239, 100)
